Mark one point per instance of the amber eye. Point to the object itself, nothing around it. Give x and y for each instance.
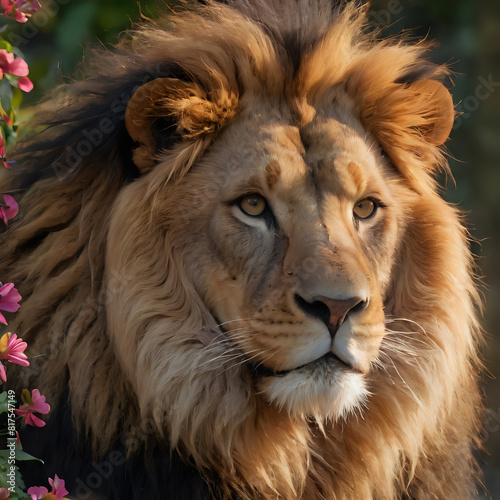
(253, 205)
(365, 208)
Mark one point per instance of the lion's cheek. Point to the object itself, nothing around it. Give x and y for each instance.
(223, 296)
(281, 346)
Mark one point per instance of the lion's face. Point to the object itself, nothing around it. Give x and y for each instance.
(254, 247)
(291, 235)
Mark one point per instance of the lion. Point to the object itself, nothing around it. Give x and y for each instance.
(239, 278)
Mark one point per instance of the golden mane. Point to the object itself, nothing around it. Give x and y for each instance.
(81, 164)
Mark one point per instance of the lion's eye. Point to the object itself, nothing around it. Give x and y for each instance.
(253, 205)
(364, 209)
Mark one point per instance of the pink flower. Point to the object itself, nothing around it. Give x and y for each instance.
(25, 84)
(34, 402)
(37, 492)
(57, 493)
(12, 65)
(12, 349)
(4, 493)
(8, 210)
(58, 488)
(20, 9)
(2, 147)
(3, 373)
(9, 298)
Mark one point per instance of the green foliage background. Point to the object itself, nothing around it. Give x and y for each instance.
(468, 33)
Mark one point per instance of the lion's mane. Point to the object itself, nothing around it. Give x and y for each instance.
(416, 436)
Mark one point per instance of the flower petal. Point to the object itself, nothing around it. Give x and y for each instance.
(25, 84)
(34, 421)
(37, 492)
(26, 398)
(18, 66)
(58, 487)
(10, 302)
(9, 297)
(9, 306)
(4, 342)
(20, 17)
(18, 359)
(14, 351)
(5, 59)
(5, 289)
(39, 403)
(22, 411)
(13, 207)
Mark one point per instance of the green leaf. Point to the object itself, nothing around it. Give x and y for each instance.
(19, 455)
(11, 78)
(17, 98)
(20, 487)
(4, 44)
(23, 456)
(6, 93)
(4, 405)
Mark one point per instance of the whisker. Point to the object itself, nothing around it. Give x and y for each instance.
(421, 329)
(397, 319)
(225, 339)
(244, 361)
(415, 397)
(233, 321)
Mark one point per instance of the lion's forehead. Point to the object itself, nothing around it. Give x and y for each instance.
(330, 155)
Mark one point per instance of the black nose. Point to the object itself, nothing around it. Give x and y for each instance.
(331, 311)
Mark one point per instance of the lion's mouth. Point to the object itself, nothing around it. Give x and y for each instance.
(259, 370)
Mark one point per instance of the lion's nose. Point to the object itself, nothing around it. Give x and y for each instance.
(332, 311)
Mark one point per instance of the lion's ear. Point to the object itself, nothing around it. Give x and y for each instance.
(421, 108)
(409, 117)
(167, 109)
(436, 121)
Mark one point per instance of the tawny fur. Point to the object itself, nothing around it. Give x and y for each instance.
(416, 433)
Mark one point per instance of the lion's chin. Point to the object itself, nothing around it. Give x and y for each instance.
(325, 390)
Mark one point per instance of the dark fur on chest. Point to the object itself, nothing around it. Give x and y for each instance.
(154, 473)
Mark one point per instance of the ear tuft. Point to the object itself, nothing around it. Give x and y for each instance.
(410, 118)
(192, 112)
(440, 111)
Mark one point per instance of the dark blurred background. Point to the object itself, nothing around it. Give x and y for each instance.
(468, 37)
